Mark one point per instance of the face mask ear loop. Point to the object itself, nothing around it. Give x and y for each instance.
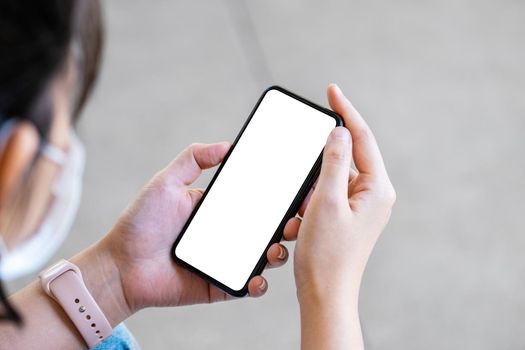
(53, 153)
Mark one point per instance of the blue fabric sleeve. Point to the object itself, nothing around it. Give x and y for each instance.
(120, 339)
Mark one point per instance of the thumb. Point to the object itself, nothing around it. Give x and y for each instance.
(188, 165)
(335, 169)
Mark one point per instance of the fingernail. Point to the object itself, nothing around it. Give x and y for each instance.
(282, 253)
(341, 133)
(263, 285)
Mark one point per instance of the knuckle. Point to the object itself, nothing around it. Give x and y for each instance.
(392, 195)
(193, 146)
(331, 201)
(336, 154)
(387, 195)
(161, 182)
(380, 191)
(363, 133)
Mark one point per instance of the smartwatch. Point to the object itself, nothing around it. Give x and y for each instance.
(63, 283)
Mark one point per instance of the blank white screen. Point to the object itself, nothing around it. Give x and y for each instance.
(255, 188)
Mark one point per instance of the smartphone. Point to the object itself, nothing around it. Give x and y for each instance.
(258, 187)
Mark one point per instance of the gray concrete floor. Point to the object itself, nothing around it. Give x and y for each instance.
(442, 83)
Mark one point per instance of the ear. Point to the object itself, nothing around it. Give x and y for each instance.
(17, 155)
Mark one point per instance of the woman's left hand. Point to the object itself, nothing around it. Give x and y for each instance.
(140, 242)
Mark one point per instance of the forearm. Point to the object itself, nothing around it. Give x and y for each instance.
(46, 326)
(330, 322)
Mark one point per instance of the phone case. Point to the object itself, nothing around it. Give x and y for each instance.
(292, 210)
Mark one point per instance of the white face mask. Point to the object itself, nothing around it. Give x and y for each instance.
(31, 255)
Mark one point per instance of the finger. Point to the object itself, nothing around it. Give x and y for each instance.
(188, 165)
(216, 294)
(257, 286)
(352, 179)
(335, 169)
(291, 229)
(305, 202)
(277, 255)
(367, 156)
(353, 174)
(195, 195)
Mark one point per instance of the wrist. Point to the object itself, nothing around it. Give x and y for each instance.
(328, 297)
(330, 320)
(322, 288)
(329, 311)
(102, 278)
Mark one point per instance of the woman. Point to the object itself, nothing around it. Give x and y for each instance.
(130, 268)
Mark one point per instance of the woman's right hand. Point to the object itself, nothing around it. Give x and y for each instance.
(342, 219)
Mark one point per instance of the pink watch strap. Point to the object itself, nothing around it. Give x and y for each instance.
(64, 283)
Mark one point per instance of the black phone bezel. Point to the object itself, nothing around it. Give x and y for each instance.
(292, 210)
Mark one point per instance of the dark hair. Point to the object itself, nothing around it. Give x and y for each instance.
(35, 42)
